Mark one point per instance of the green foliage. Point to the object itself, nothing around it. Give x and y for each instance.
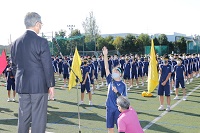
(144, 39)
(129, 44)
(91, 31)
(181, 45)
(108, 42)
(156, 42)
(170, 47)
(162, 39)
(76, 39)
(118, 42)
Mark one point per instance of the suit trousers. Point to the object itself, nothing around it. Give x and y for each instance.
(32, 113)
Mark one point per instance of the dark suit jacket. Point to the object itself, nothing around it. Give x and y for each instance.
(31, 56)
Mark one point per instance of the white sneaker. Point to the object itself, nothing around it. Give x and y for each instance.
(98, 87)
(13, 100)
(184, 98)
(142, 84)
(9, 100)
(168, 108)
(187, 82)
(131, 86)
(161, 108)
(65, 86)
(176, 98)
(101, 85)
(137, 86)
(171, 91)
(90, 103)
(59, 79)
(129, 89)
(80, 103)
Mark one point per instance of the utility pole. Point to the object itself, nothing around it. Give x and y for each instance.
(52, 42)
(71, 27)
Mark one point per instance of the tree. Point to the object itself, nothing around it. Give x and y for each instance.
(181, 45)
(91, 29)
(156, 42)
(62, 42)
(129, 44)
(76, 39)
(142, 41)
(171, 47)
(101, 42)
(162, 39)
(118, 42)
(109, 41)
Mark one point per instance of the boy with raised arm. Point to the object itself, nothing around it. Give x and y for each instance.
(114, 82)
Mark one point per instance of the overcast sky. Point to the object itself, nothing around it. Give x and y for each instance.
(112, 16)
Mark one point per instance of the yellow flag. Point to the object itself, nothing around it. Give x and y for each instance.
(75, 70)
(153, 71)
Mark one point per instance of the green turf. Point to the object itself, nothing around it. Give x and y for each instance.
(63, 118)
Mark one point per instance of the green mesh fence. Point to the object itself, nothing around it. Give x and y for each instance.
(160, 50)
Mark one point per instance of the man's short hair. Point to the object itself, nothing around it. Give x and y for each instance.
(31, 19)
(123, 102)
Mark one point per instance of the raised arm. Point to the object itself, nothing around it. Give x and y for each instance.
(105, 55)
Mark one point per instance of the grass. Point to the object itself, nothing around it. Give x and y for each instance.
(63, 118)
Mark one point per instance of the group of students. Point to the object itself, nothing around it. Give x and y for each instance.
(174, 72)
(183, 68)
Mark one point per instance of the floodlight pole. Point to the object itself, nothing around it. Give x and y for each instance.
(71, 29)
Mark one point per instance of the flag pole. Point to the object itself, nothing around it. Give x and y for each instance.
(79, 118)
(77, 80)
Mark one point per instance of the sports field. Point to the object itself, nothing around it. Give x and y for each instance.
(62, 113)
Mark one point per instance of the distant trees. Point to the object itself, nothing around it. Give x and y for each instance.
(91, 31)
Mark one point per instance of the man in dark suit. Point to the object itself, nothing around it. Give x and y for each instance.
(34, 76)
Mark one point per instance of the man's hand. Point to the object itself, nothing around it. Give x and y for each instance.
(51, 92)
(105, 51)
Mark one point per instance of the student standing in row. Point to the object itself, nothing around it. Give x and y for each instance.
(164, 85)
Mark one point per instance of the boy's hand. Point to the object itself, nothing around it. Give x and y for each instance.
(105, 51)
(83, 83)
(114, 89)
(163, 83)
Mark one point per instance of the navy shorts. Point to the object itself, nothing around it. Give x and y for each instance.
(181, 82)
(140, 74)
(186, 73)
(86, 87)
(189, 71)
(11, 84)
(134, 76)
(197, 68)
(145, 73)
(91, 80)
(111, 117)
(103, 73)
(60, 71)
(162, 89)
(96, 75)
(172, 76)
(127, 76)
(194, 69)
(66, 76)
